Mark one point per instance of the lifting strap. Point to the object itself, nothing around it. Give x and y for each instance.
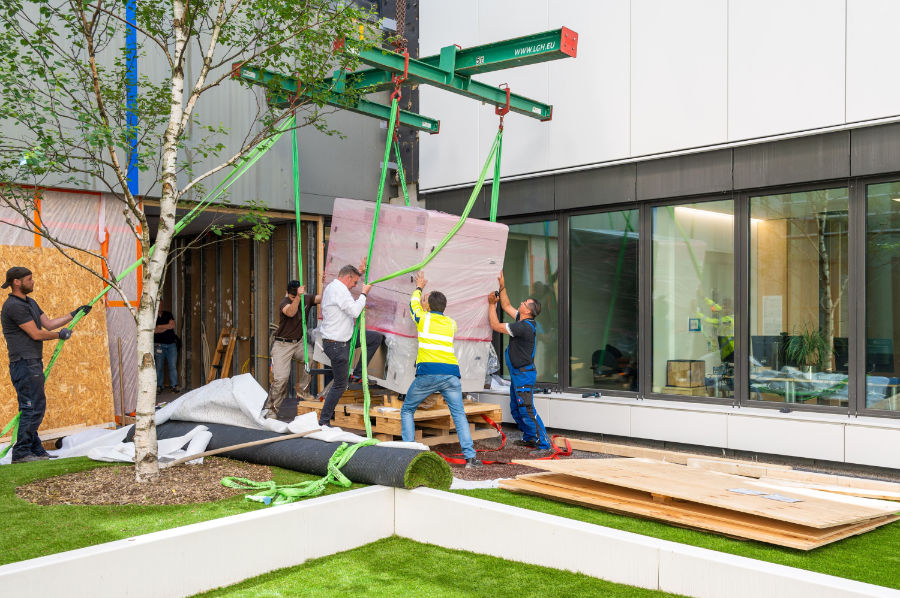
(295, 154)
(361, 322)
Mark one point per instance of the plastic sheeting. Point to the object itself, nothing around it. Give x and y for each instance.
(465, 271)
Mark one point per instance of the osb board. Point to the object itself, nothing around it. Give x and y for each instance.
(713, 489)
(79, 389)
(626, 501)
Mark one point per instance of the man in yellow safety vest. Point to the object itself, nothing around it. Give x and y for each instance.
(437, 369)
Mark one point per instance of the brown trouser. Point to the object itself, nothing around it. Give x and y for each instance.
(283, 354)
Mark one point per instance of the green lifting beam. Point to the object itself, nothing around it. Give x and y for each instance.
(520, 51)
(450, 70)
(285, 87)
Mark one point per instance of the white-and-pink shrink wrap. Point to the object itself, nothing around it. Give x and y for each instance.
(465, 270)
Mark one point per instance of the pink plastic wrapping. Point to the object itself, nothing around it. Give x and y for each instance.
(465, 271)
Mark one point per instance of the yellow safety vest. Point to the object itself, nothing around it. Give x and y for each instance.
(436, 331)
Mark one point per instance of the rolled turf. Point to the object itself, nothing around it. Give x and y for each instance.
(385, 466)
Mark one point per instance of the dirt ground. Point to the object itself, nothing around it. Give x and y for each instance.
(504, 468)
(179, 485)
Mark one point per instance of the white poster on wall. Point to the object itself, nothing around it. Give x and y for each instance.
(771, 315)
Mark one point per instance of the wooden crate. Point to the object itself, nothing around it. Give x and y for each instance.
(434, 425)
(697, 391)
(687, 373)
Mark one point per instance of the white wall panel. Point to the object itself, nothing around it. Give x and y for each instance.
(873, 59)
(678, 74)
(526, 141)
(785, 66)
(451, 156)
(590, 94)
(789, 435)
(673, 425)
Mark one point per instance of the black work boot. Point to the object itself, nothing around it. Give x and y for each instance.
(474, 463)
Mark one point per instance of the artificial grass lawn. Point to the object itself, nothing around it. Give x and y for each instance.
(873, 557)
(31, 530)
(400, 567)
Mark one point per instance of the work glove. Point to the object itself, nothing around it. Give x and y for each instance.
(65, 334)
(85, 308)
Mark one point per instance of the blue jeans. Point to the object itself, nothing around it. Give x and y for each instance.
(166, 353)
(450, 387)
(28, 379)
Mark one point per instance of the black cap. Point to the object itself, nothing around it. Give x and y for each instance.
(15, 273)
(293, 285)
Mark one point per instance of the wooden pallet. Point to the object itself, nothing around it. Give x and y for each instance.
(705, 500)
(434, 425)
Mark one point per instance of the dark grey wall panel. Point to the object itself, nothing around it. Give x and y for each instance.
(523, 197)
(454, 201)
(792, 161)
(596, 187)
(875, 150)
(694, 174)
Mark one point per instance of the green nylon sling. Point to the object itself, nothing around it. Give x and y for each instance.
(493, 154)
(249, 159)
(273, 494)
(295, 153)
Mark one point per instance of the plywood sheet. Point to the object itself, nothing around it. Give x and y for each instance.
(79, 389)
(820, 481)
(627, 501)
(713, 489)
(625, 450)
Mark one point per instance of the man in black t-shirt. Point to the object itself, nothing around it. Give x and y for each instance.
(25, 328)
(165, 349)
(288, 345)
(520, 361)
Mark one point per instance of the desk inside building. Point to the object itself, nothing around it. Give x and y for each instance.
(433, 422)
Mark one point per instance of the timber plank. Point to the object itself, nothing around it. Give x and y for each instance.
(712, 489)
(624, 450)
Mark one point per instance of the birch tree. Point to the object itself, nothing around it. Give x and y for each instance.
(64, 112)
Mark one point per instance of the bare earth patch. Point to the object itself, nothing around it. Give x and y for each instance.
(115, 485)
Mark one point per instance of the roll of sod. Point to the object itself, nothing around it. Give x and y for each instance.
(385, 466)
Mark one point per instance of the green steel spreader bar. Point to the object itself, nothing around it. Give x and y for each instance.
(425, 74)
(520, 51)
(283, 87)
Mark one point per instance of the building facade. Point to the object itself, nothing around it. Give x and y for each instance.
(710, 219)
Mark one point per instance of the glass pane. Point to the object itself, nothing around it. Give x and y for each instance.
(798, 297)
(603, 253)
(530, 269)
(882, 283)
(693, 299)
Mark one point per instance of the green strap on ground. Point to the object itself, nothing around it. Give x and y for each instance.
(273, 494)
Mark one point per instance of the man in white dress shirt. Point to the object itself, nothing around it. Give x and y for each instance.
(339, 313)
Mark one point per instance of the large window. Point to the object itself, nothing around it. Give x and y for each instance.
(882, 294)
(530, 268)
(603, 273)
(798, 297)
(693, 299)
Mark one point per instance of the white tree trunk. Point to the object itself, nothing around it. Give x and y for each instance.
(145, 445)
